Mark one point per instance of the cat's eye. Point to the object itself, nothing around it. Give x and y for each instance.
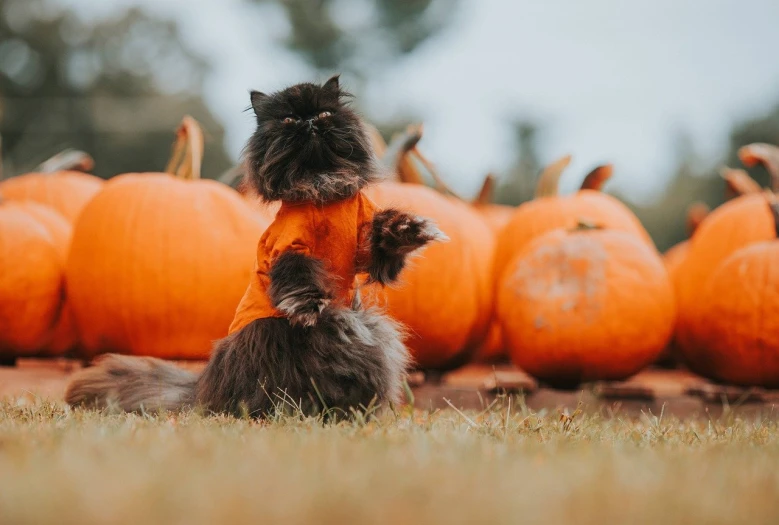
(289, 120)
(325, 114)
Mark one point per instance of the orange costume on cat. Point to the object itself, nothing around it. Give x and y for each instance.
(329, 232)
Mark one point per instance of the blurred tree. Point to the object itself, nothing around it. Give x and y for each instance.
(116, 88)
(360, 37)
(519, 184)
(696, 179)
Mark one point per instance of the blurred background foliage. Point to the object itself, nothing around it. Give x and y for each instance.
(117, 89)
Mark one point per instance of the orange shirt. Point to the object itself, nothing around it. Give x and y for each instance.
(330, 233)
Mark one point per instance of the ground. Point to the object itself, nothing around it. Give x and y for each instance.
(504, 464)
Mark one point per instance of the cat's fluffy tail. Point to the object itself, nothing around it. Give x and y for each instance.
(132, 384)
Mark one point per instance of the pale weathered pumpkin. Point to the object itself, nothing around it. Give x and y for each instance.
(549, 211)
(32, 243)
(739, 305)
(159, 261)
(65, 190)
(585, 304)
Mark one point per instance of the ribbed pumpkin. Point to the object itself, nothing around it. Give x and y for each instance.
(410, 166)
(65, 190)
(159, 261)
(549, 211)
(739, 305)
(445, 297)
(734, 225)
(585, 304)
(33, 240)
(738, 183)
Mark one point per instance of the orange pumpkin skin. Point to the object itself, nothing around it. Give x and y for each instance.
(739, 307)
(673, 257)
(444, 296)
(733, 225)
(65, 335)
(495, 215)
(65, 191)
(585, 305)
(158, 265)
(31, 282)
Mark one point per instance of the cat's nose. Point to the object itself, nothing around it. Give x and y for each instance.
(311, 126)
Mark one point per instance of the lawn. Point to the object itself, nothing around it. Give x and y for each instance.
(505, 464)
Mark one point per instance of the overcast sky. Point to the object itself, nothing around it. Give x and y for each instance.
(612, 79)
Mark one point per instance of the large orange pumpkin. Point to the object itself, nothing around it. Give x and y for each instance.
(33, 240)
(549, 211)
(65, 190)
(445, 297)
(159, 261)
(734, 225)
(739, 306)
(585, 304)
(410, 166)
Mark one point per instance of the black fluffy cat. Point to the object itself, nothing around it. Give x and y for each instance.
(300, 337)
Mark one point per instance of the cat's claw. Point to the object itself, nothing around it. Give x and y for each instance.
(400, 232)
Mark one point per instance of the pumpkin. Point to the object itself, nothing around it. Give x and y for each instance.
(444, 296)
(549, 211)
(738, 305)
(410, 166)
(159, 261)
(734, 225)
(584, 304)
(56, 184)
(33, 242)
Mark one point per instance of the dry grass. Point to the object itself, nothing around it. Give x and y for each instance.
(499, 466)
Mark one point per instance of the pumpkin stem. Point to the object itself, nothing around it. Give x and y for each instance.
(397, 150)
(487, 190)
(765, 154)
(377, 141)
(738, 182)
(440, 184)
(187, 155)
(549, 180)
(696, 212)
(773, 205)
(583, 224)
(69, 159)
(597, 177)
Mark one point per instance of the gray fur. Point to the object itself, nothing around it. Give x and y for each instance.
(393, 235)
(349, 358)
(132, 384)
(300, 287)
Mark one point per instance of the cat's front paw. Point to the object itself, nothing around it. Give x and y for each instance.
(304, 310)
(401, 233)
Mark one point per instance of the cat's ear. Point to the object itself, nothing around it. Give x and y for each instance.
(257, 98)
(332, 84)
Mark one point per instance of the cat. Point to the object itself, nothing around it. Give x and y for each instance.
(301, 339)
